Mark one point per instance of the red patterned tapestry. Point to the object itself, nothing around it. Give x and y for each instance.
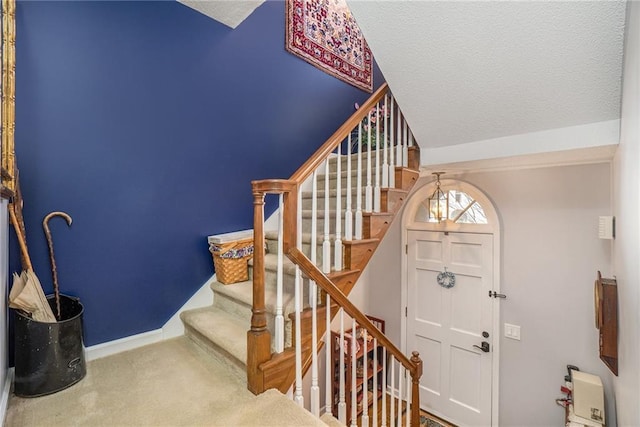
(324, 33)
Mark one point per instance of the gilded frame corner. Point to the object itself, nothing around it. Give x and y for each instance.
(8, 90)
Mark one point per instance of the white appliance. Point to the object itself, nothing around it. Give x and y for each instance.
(588, 396)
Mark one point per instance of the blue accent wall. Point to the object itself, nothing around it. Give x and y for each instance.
(146, 122)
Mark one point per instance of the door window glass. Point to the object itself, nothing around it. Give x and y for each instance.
(463, 209)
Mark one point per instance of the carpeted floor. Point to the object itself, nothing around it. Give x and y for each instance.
(172, 383)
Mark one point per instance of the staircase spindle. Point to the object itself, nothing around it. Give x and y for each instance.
(328, 396)
(297, 395)
(315, 388)
(365, 375)
(313, 296)
(385, 144)
(314, 220)
(392, 399)
(375, 382)
(399, 419)
(342, 398)
(348, 214)
(358, 231)
(399, 140)
(407, 398)
(376, 188)
(368, 191)
(354, 376)
(384, 387)
(337, 251)
(279, 326)
(392, 140)
(405, 145)
(326, 243)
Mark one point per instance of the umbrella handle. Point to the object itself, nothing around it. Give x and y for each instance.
(54, 269)
(23, 245)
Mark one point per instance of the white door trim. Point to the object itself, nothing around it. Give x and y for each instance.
(493, 227)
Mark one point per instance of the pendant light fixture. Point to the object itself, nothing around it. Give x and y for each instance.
(438, 202)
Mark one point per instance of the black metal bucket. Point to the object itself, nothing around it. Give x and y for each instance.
(49, 357)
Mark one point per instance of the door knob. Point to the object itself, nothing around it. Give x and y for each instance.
(484, 346)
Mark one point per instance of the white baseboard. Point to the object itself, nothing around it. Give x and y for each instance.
(123, 344)
(4, 397)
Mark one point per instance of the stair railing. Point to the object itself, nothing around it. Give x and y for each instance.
(378, 118)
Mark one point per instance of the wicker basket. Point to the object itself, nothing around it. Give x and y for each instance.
(230, 260)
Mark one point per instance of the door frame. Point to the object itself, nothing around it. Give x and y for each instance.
(493, 228)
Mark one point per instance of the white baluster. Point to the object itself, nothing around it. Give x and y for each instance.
(385, 147)
(405, 146)
(392, 139)
(297, 394)
(314, 220)
(315, 388)
(342, 402)
(408, 397)
(376, 188)
(348, 214)
(354, 377)
(399, 140)
(365, 375)
(399, 420)
(393, 397)
(328, 396)
(337, 251)
(368, 191)
(279, 280)
(358, 231)
(384, 387)
(375, 382)
(326, 243)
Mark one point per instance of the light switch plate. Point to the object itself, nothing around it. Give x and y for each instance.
(512, 331)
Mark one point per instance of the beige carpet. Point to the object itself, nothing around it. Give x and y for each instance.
(173, 383)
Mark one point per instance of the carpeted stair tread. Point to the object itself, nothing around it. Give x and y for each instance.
(222, 329)
(243, 293)
(271, 264)
(330, 420)
(271, 408)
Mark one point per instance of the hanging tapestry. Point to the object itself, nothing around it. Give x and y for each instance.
(324, 33)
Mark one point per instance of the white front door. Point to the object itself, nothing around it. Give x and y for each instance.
(446, 324)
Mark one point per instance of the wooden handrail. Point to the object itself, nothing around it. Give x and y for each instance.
(413, 365)
(339, 298)
(338, 136)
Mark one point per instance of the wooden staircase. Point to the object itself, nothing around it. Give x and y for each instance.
(251, 306)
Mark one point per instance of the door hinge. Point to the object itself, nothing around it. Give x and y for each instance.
(406, 249)
(405, 312)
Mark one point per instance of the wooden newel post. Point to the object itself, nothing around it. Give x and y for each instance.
(259, 337)
(415, 389)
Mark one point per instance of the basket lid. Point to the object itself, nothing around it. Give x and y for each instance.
(230, 237)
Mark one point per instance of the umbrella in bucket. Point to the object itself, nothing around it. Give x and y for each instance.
(26, 293)
(54, 270)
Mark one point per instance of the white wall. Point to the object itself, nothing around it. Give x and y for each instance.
(626, 181)
(550, 255)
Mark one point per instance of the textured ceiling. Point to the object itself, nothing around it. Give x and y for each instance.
(464, 72)
(229, 12)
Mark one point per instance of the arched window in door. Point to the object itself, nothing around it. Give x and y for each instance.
(463, 209)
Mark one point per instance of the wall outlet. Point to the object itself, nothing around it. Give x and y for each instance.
(512, 331)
